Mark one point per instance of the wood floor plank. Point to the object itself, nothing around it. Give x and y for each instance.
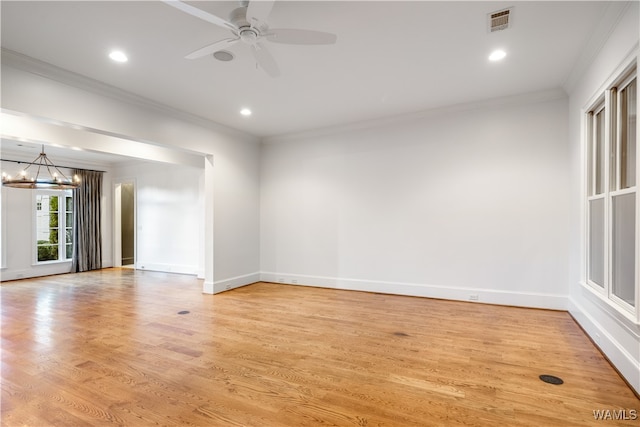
(110, 348)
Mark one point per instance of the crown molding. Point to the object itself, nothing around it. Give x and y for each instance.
(512, 100)
(613, 14)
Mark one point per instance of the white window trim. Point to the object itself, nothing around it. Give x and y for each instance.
(619, 79)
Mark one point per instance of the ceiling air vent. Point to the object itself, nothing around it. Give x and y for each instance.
(500, 20)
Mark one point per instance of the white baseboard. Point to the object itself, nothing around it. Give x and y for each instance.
(167, 268)
(628, 365)
(488, 296)
(235, 282)
(36, 271)
(9, 275)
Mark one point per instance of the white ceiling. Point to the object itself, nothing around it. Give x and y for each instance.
(391, 57)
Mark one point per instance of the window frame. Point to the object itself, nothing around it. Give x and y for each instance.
(608, 98)
(592, 194)
(62, 225)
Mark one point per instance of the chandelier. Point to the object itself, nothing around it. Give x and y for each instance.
(52, 178)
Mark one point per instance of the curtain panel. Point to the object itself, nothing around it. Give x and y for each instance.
(87, 234)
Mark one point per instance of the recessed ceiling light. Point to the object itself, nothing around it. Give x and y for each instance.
(245, 112)
(497, 55)
(118, 56)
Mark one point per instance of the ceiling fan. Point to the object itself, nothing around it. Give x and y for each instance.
(248, 24)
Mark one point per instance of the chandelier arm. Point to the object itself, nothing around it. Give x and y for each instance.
(66, 178)
(32, 162)
(39, 160)
(49, 163)
(48, 169)
(45, 161)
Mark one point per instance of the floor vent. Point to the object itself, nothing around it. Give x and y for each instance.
(550, 379)
(500, 20)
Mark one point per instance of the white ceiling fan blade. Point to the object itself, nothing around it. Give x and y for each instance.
(265, 60)
(258, 11)
(199, 13)
(209, 49)
(293, 36)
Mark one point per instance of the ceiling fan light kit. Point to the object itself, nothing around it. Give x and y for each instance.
(223, 55)
(248, 25)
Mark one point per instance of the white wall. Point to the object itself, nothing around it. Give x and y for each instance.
(38, 90)
(169, 215)
(468, 201)
(617, 336)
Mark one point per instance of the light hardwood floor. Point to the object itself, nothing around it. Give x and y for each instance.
(109, 348)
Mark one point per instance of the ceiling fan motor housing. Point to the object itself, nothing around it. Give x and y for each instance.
(247, 33)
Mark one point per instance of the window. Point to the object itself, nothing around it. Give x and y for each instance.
(54, 225)
(611, 208)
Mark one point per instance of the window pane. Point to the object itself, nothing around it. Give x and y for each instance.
(53, 203)
(42, 234)
(599, 135)
(69, 206)
(628, 117)
(69, 235)
(47, 252)
(623, 246)
(53, 219)
(69, 220)
(69, 251)
(53, 235)
(46, 224)
(596, 241)
(42, 217)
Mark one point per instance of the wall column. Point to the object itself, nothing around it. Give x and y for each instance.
(207, 287)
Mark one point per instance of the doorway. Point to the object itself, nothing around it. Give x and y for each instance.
(125, 224)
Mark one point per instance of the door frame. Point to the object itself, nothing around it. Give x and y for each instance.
(117, 223)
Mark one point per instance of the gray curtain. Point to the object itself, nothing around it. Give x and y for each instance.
(87, 235)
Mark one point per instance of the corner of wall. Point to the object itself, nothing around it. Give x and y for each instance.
(234, 282)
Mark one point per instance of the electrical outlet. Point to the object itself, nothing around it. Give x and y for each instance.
(294, 281)
(473, 297)
(228, 286)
